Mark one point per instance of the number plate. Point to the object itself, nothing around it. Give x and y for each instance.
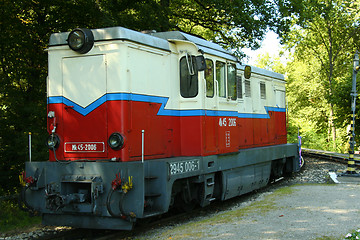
(184, 167)
(84, 147)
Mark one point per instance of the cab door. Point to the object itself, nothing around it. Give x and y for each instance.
(210, 122)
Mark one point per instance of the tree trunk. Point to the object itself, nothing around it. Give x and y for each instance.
(331, 69)
(332, 126)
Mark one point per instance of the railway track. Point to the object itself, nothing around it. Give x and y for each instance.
(331, 156)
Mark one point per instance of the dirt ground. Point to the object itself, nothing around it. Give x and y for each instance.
(302, 211)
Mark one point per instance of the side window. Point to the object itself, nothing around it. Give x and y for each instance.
(209, 77)
(221, 78)
(239, 87)
(188, 77)
(247, 88)
(231, 81)
(262, 90)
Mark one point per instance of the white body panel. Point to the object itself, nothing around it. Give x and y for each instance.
(135, 68)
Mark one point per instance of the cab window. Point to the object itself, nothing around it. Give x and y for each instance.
(231, 81)
(209, 77)
(188, 77)
(221, 78)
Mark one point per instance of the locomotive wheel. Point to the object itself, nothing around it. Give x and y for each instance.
(183, 206)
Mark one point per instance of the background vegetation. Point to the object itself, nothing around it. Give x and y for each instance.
(319, 72)
(322, 37)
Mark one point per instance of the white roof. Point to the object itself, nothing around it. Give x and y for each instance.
(160, 40)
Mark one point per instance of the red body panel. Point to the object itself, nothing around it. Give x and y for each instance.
(165, 136)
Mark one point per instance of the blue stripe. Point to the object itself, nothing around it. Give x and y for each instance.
(275, 109)
(162, 111)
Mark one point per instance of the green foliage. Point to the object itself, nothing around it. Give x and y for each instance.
(233, 24)
(272, 63)
(309, 107)
(25, 30)
(353, 235)
(319, 75)
(11, 217)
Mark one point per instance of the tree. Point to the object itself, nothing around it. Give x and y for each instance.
(234, 24)
(328, 33)
(272, 63)
(25, 30)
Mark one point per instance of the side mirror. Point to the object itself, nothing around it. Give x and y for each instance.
(247, 72)
(201, 63)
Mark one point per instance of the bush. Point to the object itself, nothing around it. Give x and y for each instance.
(12, 218)
(354, 235)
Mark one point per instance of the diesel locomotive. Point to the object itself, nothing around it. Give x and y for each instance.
(140, 123)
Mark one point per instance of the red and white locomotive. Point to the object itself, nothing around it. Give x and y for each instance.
(139, 123)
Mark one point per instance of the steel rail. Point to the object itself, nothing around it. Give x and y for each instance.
(331, 156)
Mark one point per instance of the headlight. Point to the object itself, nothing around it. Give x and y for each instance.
(81, 40)
(53, 141)
(116, 141)
(247, 72)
